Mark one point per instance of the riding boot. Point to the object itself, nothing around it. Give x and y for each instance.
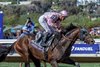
(45, 39)
(45, 46)
(48, 36)
(38, 39)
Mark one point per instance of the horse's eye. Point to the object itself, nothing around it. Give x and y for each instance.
(84, 32)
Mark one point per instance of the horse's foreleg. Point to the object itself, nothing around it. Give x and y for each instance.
(35, 60)
(26, 59)
(68, 60)
(27, 64)
(20, 64)
(77, 64)
(44, 64)
(54, 63)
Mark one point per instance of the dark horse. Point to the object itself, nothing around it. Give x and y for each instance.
(58, 52)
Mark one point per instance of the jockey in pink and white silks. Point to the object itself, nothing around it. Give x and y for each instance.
(51, 21)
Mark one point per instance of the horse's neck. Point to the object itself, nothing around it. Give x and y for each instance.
(71, 38)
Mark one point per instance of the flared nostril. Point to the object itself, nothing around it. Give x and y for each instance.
(92, 42)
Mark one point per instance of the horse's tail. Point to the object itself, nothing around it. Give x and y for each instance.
(4, 50)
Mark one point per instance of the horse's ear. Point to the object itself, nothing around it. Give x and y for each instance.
(71, 24)
(79, 26)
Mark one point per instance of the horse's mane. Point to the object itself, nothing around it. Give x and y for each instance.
(69, 28)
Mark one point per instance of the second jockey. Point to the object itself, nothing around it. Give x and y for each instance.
(28, 27)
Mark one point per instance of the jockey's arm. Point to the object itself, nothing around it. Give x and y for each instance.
(32, 29)
(57, 26)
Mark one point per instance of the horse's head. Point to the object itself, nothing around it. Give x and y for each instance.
(75, 32)
(85, 36)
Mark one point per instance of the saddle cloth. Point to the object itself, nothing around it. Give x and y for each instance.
(39, 45)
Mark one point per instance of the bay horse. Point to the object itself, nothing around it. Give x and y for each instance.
(58, 52)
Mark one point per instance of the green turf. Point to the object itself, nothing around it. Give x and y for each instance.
(8, 64)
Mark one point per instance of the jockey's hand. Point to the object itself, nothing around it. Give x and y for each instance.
(59, 30)
(54, 25)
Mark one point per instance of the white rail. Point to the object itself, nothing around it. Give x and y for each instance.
(76, 57)
(13, 40)
(7, 41)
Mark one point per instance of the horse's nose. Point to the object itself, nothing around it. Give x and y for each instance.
(92, 41)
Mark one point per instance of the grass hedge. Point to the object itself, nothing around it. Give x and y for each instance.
(81, 20)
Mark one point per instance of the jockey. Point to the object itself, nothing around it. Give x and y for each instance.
(28, 27)
(51, 22)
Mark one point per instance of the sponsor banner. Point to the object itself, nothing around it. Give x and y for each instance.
(85, 49)
(1, 24)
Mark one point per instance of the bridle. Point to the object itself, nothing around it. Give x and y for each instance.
(83, 33)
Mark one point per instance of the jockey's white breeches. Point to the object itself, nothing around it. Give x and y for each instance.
(44, 24)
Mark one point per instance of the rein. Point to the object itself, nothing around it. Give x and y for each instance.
(67, 34)
(66, 37)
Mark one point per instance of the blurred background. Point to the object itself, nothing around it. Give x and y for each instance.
(81, 12)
